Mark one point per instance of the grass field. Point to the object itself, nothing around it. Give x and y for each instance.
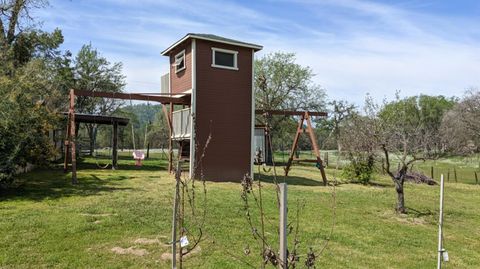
(48, 223)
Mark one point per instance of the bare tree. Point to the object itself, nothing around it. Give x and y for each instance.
(404, 139)
(461, 125)
(360, 145)
(341, 111)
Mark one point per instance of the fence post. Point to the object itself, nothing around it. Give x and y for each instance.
(431, 172)
(283, 226)
(448, 175)
(455, 173)
(476, 177)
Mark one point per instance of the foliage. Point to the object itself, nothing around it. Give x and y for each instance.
(361, 168)
(358, 140)
(339, 112)
(461, 125)
(93, 72)
(25, 121)
(29, 98)
(282, 84)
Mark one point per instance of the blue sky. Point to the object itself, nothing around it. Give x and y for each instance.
(354, 47)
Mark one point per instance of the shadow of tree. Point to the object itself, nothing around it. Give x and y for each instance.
(290, 180)
(418, 213)
(54, 184)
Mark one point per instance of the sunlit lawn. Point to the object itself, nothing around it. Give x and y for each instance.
(48, 223)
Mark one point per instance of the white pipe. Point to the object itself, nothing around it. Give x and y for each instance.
(440, 224)
(283, 226)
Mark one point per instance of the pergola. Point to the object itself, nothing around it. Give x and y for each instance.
(105, 120)
(73, 118)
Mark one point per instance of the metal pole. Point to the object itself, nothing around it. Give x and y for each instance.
(283, 225)
(440, 224)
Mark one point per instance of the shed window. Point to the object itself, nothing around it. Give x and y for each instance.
(222, 58)
(180, 61)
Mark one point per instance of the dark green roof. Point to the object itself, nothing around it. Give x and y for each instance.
(214, 38)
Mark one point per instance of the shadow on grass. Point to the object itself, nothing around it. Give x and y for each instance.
(290, 180)
(418, 213)
(54, 184)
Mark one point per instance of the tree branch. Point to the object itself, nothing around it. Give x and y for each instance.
(14, 16)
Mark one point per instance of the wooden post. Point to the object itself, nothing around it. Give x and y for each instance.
(283, 226)
(431, 172)
(148, 150)
(295, 143)
(306, 117)
(170, 134)
(455, 173)
(315, 148)
(67, 144)
(115, 146)
(73, 137)
(476, 177)
(176, 199)
(170, 140)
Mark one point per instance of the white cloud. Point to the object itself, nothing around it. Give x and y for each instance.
(353, 46)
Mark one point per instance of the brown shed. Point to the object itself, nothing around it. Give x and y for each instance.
(218, 74)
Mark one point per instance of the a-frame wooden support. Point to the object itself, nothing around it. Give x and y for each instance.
(305, 117)
(70, 139)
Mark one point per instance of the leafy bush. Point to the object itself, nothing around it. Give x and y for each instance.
(25, 121)
(360, 168)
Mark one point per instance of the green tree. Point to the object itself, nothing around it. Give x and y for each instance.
(282, 84)
(93, 72)
(29, 98)
(410, 132)
(461, 125)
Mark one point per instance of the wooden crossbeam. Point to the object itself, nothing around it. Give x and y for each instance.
(290, 112)
(185, 100)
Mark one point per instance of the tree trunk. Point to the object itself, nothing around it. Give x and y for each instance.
(399, 179)
(92, 135)
(400, 198)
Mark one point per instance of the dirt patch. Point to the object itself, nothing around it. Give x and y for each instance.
(411, 220)
(130, 250)
(168, 256)
(146, 241)
(407, 219)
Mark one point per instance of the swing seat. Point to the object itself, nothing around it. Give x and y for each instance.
(138, 155)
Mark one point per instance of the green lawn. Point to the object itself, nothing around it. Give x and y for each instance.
(48, 223)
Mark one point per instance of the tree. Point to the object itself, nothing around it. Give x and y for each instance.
(408, 132)
(28, 104)
(461, 125)
(340, 112)
(92, 72)
(282, 84)
(359, 143)
(20, 40)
